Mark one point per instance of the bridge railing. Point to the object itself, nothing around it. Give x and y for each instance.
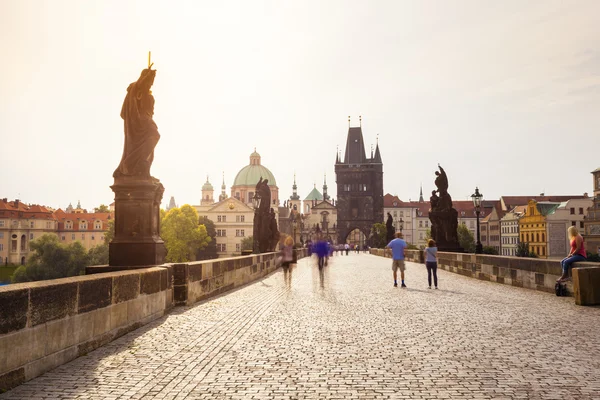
(49, 323)
(531, 273)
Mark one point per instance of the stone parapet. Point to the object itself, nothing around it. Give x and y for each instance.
(531, 273)
(49, 323)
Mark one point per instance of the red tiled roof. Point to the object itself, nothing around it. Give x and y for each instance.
(17, 209)
(76, 218)
(510, 202)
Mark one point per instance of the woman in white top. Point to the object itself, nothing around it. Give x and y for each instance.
(431, 262)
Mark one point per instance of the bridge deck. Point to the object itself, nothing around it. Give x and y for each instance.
(346, 332)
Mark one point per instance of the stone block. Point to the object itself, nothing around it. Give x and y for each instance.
(125, 287)
(102, 323)
(164, 279)
(180, 294)
(38, 367)
(60, 335)
(586, 286)
(195, 272)
(118, 315)
(135, 310)
(84, 325)
(22, 347)
(180, 274)
(94, 293)
(216, 268)
(49, 302)
(150, 281)
(13, 312)
(12, 379)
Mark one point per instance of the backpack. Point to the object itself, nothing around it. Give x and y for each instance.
(560, 289)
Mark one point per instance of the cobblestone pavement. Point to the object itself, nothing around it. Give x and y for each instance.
(345, 332)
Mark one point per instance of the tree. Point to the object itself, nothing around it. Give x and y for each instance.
(52, 260)
(489, 250)
(102, 208)
(523, 250)
(378, 235)
(182, 234)
(210, 251)
(465, 238)
(110, 233)
(248, 243)
(98, 255)
(427, 234)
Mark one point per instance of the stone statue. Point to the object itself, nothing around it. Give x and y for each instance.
(389, 225)
(275, 236)
(444, 218)
(141, 133)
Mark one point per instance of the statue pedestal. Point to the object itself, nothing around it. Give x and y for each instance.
(444, 225)
(137, 239)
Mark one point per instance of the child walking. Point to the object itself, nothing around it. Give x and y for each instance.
(431, 262)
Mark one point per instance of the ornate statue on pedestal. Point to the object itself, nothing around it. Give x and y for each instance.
(138, 195)
(265, 222)
(444, 218)
(389, 228)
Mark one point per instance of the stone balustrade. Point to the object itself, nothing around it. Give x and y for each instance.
(531, 273)
(48, 323)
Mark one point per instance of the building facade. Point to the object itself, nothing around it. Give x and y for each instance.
(509, 231)
(592, 220)
(359, 187)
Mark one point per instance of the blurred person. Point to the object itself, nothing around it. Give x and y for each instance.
(431, 262)
(576, 254)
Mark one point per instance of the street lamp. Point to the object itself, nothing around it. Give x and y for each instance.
(477, 203)
(256, 225)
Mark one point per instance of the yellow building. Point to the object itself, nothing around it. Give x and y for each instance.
(87, 228)
(532, 228)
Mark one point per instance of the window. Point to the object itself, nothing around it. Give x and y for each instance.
(1, 235)
(48, 225)
(93, 237)
(402, 213)
(395, 213)
(1, 223)
(72, 236)
(420, 224)
(572, 210)
(237, 247)
(1, 246)
(237, 232)
(573, 223)
(581, 224)
(83, 225)
(98, 225)
(221, 247)
(219, 218)
(102, 238)
(31, 236)
(242, 218)
(242, 233)
(426, 224)
(32, 223)
(62, 237)
(68, 225)
(83, 236)
(237, 218)
(224, 219)
(580, 210)
(421, 235)
(543, 237)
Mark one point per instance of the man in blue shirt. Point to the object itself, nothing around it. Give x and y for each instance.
(398, 247)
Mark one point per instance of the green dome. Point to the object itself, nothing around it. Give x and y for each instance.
(250, 175)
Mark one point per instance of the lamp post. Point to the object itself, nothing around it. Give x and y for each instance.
(477, 203)
(294, 225)
(256, 225)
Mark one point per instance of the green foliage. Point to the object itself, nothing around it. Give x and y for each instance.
(465, 238)
(412, 247)
(247, 243)
(523, 251)
(98, 255)
(378, 235)
(6, 272)
(110, 233)
(428, 234)
(489, 250)
(52, 260)
(210, 251)
(182, 234)
(102, 208)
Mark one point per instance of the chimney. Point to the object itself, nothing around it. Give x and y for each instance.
(17, 203)
(585, 195)
(5, 200)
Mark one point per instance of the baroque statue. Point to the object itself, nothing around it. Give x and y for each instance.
(141, 132)
(266, 234)
(444, 218)
(389, 228)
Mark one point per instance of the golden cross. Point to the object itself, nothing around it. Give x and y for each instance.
(150, 64)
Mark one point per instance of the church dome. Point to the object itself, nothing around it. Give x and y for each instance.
(251, 174)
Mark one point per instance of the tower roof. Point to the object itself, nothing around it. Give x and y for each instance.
(251, 174)
(355, 147)
(314, 195)
(207, 186)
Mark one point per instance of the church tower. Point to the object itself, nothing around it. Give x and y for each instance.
(325, 195)
(207, 194)
(223, 194)
(294, 198)
(359, 187)
(421, 195)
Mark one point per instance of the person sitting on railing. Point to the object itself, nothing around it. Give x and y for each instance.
(576, 254)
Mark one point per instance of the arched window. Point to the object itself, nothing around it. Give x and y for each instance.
(23, 242)
(527, 238)
(537, 237)
(543, 237)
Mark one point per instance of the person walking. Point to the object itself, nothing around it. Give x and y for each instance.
(431, 262)
(347, 248)
(287, 252)
(577, 253)
(398, 248)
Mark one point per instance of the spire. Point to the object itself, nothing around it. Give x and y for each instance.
(355, 147)
(325, 195)
(223, 185)
(223, 194)
(294, 195)
(78, 204)
(360, 121)
(421, 195)
(377, 157)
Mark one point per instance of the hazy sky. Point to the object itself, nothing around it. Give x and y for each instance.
(505, 95)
